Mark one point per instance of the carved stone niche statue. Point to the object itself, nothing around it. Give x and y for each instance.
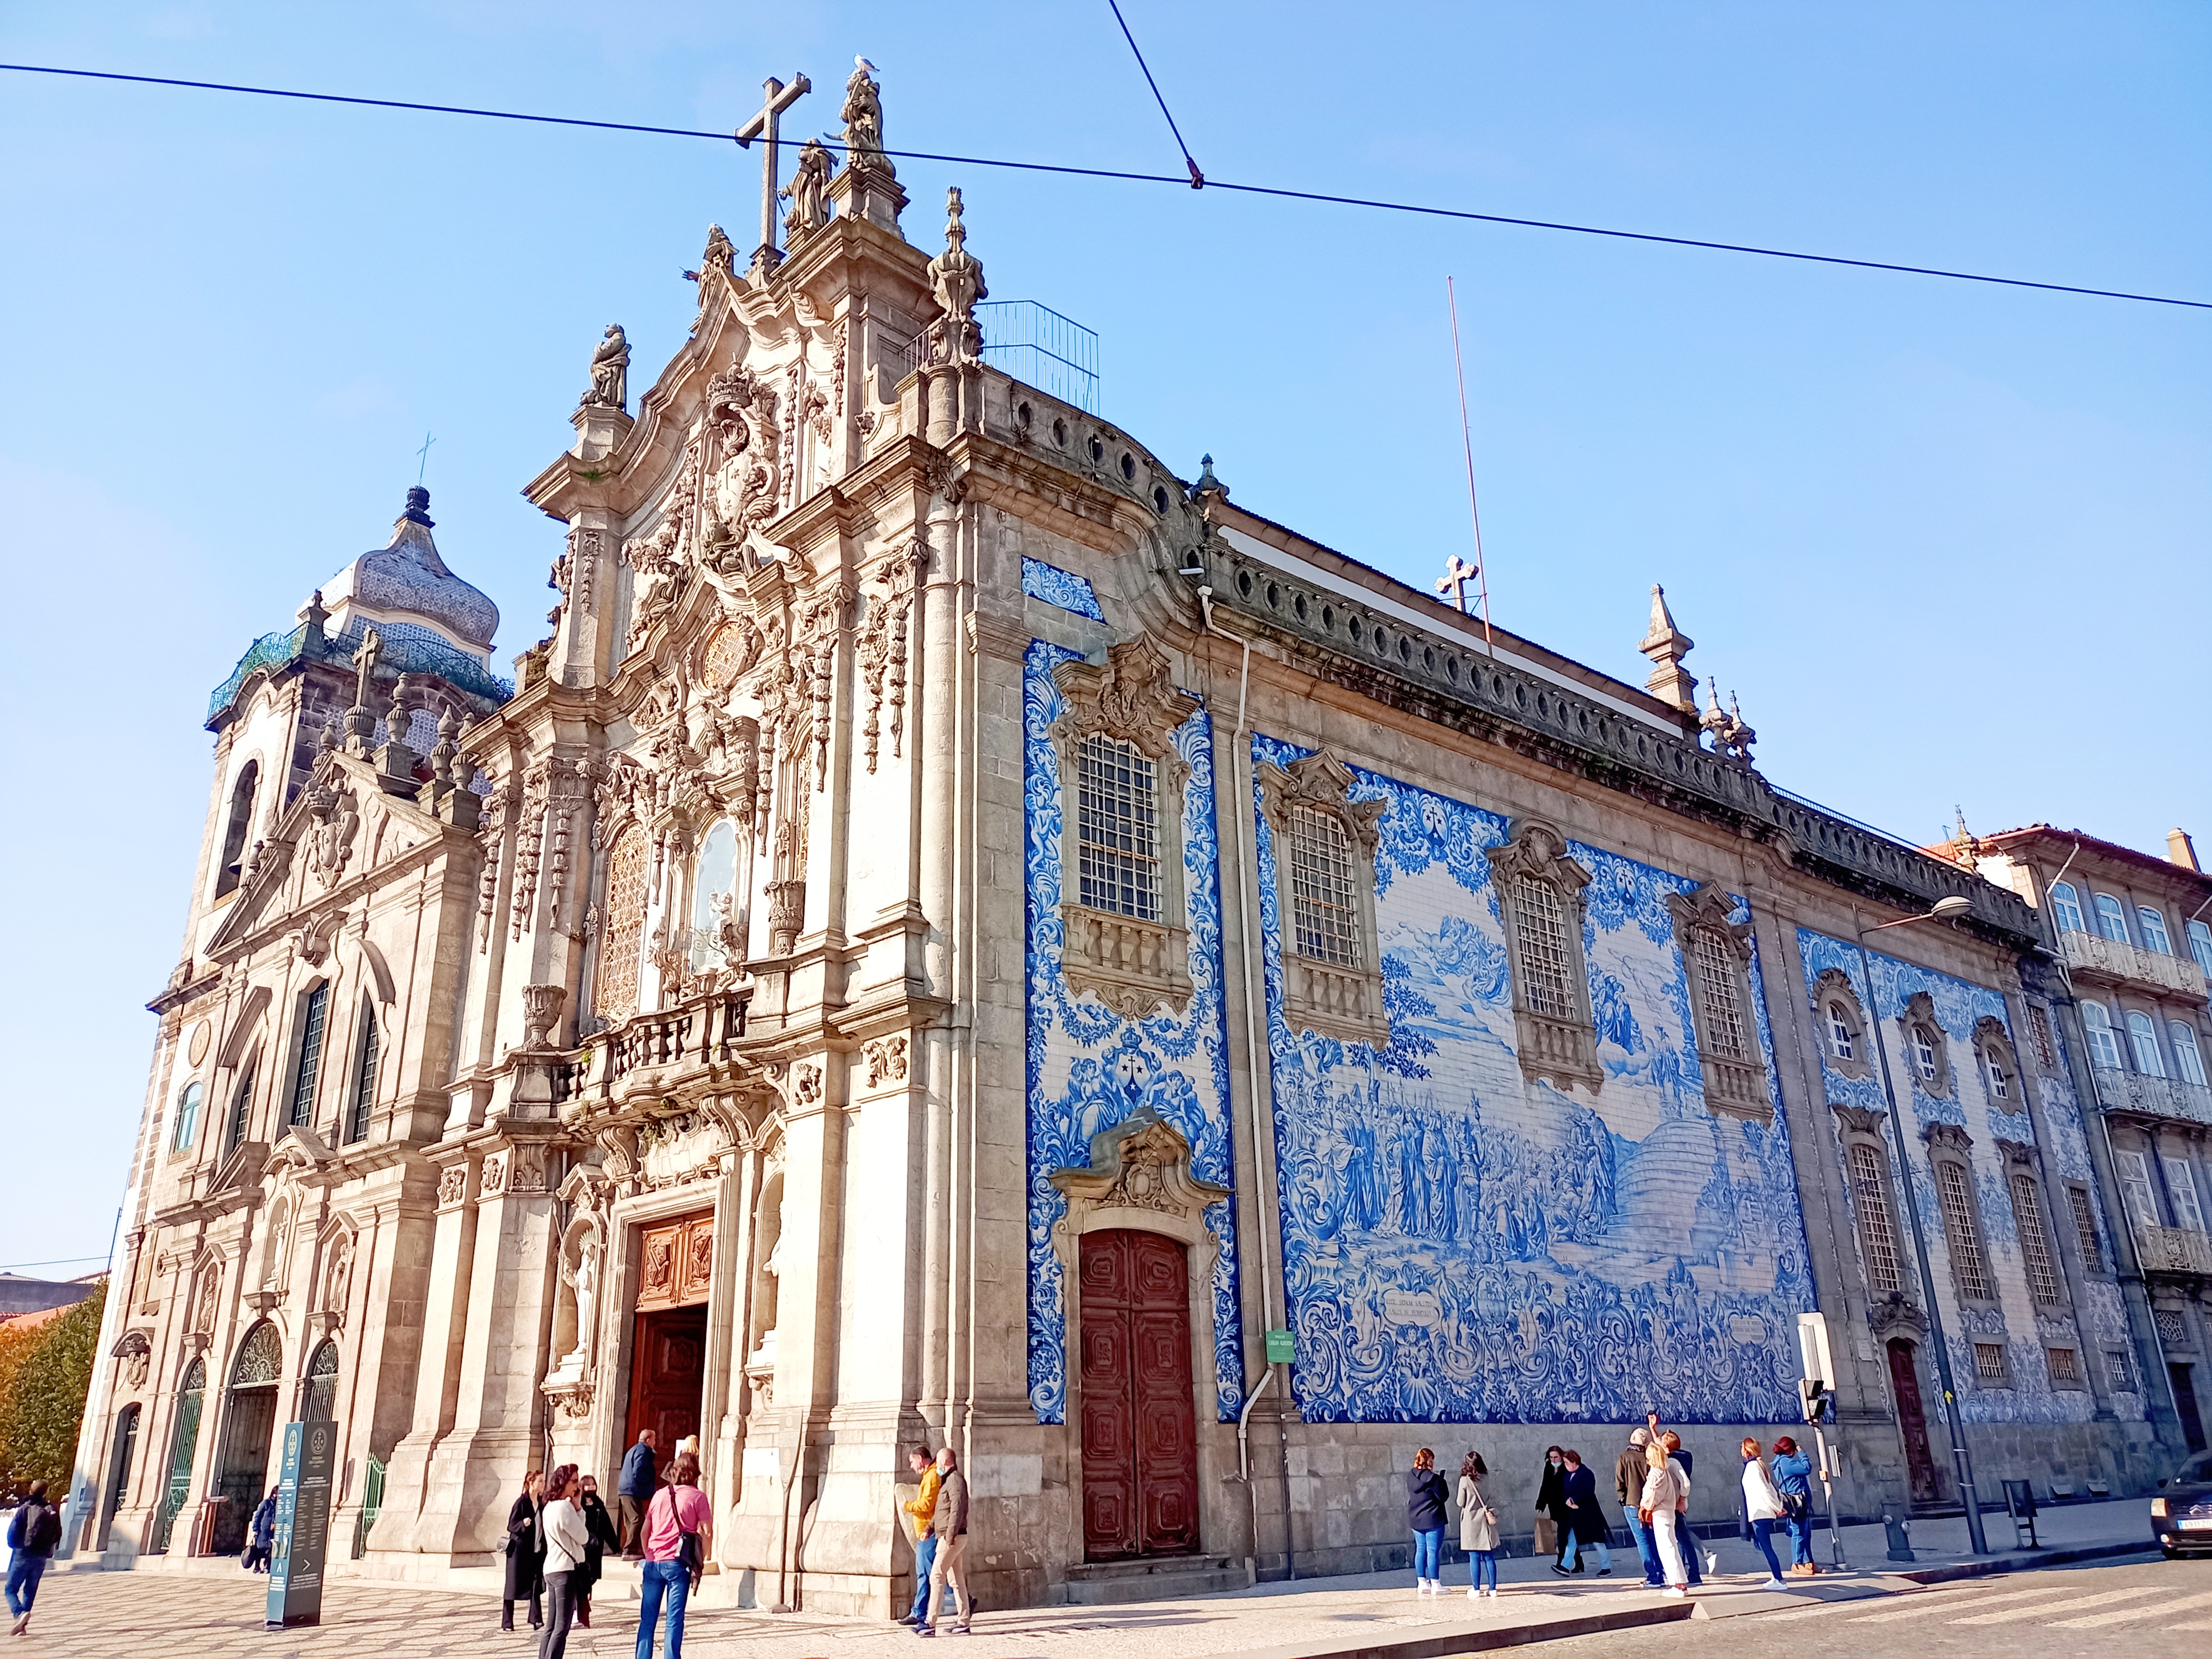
(807, 192)
(134, 1357)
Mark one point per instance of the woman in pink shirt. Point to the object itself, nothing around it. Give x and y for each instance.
(679, 1514)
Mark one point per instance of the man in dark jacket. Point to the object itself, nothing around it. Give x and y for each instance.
(949, 1524)
(1628, 1473)
(633, 1491)
(33, 1534)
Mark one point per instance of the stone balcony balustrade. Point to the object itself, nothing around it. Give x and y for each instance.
(2173, 1249)
(652, 1053)
(2156, 1096)
(2095, 953)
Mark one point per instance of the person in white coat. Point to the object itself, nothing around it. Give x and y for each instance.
(1663, 1490)
(1762, 1503)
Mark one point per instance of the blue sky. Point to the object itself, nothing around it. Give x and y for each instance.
(1947, 541)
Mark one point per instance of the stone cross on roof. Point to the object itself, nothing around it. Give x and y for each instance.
(370, 652)
(778, 98)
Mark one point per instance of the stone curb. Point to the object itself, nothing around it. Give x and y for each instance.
(1477, 1638)
(2024, 1558)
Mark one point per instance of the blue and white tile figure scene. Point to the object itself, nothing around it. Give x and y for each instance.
(1088, 1067)
(1462, 1245)
(2027, 1329)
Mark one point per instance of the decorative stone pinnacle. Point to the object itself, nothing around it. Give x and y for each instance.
(956, 276)
(1667, 645)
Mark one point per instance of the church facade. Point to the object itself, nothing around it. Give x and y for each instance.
(960, 934)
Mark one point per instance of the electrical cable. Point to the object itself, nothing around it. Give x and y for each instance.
(1275, 190)
(1197, 179)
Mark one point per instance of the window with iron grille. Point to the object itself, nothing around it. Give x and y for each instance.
(2065, 1365)
(1951, 1186)
(2039, 1031)
(2173, 1330)
(1870, 1189)
(2085, 1223)
(2120, 1370)
(1990, 1362)
(1717, 982)
(1324, 898)
(2034, 1242)
(364, 1078)
(1117, 829)
(311, 1055)
(1546, 968)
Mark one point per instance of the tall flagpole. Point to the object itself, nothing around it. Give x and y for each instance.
(1467, 440)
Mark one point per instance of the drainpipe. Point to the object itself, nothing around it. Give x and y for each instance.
(1241, 788)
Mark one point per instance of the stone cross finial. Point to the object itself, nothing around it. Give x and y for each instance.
(777, 98)
(956, 276)
(1457, 574)
(1667, 645)
(364, 657)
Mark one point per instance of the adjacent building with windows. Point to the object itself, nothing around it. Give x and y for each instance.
(2133, 933)
(972, 937)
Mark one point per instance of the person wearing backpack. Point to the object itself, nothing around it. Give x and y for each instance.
(34, 1535)
(678, 1539)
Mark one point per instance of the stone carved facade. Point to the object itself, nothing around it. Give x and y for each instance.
(787, 889)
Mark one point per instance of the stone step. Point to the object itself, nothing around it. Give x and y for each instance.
(1107, 1583)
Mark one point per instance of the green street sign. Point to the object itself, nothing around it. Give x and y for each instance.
(1281, 1349)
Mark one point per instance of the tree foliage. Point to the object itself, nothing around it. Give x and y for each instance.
(44, 1373)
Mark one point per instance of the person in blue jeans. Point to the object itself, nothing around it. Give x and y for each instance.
(678, 1510)
(1628, 1477)
(1427, 1497)
(32, 1535)
(922, 1506)
(1793, 1477)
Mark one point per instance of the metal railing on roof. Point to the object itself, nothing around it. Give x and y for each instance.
(406, 651)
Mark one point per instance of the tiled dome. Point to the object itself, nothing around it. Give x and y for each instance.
(406, 578)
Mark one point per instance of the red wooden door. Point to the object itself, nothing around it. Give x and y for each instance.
(1911, 1421)
(668, 1375)
(1140, 1426)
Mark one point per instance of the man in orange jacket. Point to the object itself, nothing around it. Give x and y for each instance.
(922, 1506)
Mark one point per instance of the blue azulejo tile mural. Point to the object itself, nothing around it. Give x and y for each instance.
(1088, 1067)
(1064, 588)
(1462, 1245)
(1965, 1099)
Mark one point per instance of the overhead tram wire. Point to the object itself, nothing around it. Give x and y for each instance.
(1197, 179)
(1277, 191)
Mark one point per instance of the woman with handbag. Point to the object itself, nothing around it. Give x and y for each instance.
(525, 1555)
(679, 1537)
(1762, 1507)
(1793, 1477)
(600, 1530)
(1424, 1513)
(1663, 1490)
(1478, 1527)
(567, 1542)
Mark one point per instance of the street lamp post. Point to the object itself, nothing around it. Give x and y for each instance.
(1945, 909)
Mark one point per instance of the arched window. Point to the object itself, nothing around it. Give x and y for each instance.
(1842, 1023)
(2188, 1059)
(2066, 908)
(2200, 945)
(1927, 1051)
(183, 1442)
(235, 830)
(241, 1111)
(2137, 1196)
(2142, 1037)
(2181, 1188)
(2000, 1067)
(1117, 829)
(1323, 843)
(1870, 1190)
(2104, 1047)
(2111, 918)
(1924, 1053)
(318, 1394)
(1843, 1035)
(715, 941)
(188, 1118)
(364, 1075)
(2034, 1238)
(1540, 901)
(1716, 955)
(2153, 931)
(1962, 1221)
(314, 1013)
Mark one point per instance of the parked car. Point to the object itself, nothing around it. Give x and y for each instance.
(2181, 1514)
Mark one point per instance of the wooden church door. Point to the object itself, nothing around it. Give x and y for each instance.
(1140, 1426)
(1911, 1420)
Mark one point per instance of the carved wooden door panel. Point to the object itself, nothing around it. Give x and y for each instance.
(668, 1372)
(1911, 1421)
(1138, 1422)
(676, 1262)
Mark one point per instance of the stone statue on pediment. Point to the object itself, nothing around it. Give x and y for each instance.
(807, 192)
(609, 370)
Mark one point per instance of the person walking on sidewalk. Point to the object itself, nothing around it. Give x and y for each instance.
(679, 1541)
(1684, 1537)
(922, 1506)
(1478, 1526)
(1426, 1500)
(599, 1529)
(634, 1490)
(1586, 1523)
(1663, 1489)
(33, 1534)
(526, 1554)
(1552, 1505)
(1793, 1478)
(1762, 1504)
(949, 1525)
(261, 1535)
(568, 1545)
(1628, 1473)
